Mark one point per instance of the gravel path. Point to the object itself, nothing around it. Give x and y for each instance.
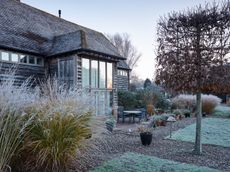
(120, 141)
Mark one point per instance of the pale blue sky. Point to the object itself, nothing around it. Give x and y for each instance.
(135, 17)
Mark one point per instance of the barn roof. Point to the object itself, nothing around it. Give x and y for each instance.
(123, 65)
(25, 28)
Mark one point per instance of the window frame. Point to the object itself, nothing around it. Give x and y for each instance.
(121, 72)
(98, 72)
(19, 56)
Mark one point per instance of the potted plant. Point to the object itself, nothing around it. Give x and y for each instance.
(178, 113)
(163, 123)
(187, 113)
(158, 122)
(145, 135)
(110, 123)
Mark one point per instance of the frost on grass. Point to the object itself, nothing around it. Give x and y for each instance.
(214, 131)
(129, 162)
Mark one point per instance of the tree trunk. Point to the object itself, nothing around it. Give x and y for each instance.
(198, 145)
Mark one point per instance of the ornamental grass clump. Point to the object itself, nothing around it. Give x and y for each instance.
(43, 128)
(186, 101)
(209, 102)
(52, 142)
(13, 99)
(64, 121)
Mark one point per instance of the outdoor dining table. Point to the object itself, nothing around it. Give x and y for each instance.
(132, 113)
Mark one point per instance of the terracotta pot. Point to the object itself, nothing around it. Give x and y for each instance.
(163, 123)
(158, 123)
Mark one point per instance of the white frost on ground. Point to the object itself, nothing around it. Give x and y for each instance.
(215, 131)
(130, 162)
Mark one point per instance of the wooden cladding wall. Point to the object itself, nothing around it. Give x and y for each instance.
(122, 83)
(65, 69)
(79, 72)
(115, 84)
(66, 72)
(22, 72)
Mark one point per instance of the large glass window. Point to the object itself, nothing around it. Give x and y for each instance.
(97, 74)
(102, 74)
(94, 74)
(103, 102)
(23, 59)
(85, 72)
(31, 60)
(109, 75)
(122, 72)
(14, 57)
(39, 61)
(5, 56)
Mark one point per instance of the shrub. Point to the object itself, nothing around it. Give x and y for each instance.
(184, 101)
(127, 99)
(187, 113)
(184, 112)
(178, 112)
(163, 103)
(152, 96)
(141, 98)
(222, 111)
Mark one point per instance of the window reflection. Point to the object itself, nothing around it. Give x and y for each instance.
(85, 72)
(40, 61)
(122, 72)
(102, 75)
(23, 59)
(97, 74)
(109, 75)
(5, 56)
(31, 60)
(94, 74)
(14, 57)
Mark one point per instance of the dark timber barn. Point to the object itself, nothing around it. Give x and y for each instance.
(43, 45)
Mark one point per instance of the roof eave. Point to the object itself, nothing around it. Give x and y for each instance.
(124, 68)
(82, 50)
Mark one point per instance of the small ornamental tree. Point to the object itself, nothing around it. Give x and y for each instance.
(192, 53)
(147, 83)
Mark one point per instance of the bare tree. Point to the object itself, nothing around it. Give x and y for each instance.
(192, 51)
(125, 47)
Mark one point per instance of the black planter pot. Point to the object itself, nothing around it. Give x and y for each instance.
(187, 115)
(146, 138)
